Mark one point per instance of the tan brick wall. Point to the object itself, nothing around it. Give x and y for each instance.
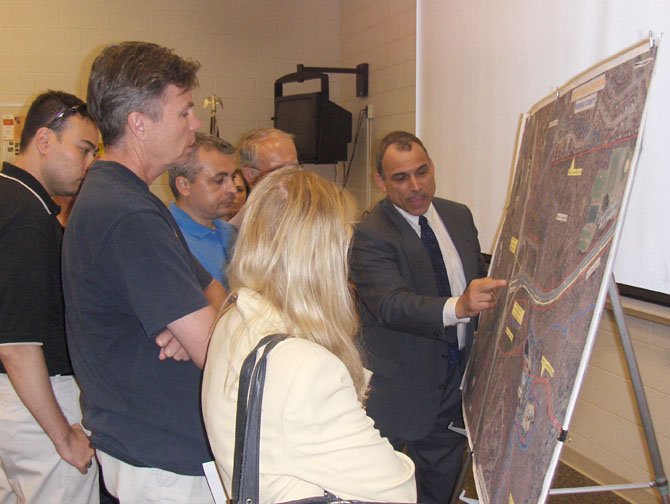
(243, 45)
(607, 440)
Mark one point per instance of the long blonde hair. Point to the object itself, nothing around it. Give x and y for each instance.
(293, 250)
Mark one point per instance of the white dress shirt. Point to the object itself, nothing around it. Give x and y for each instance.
(452, 262)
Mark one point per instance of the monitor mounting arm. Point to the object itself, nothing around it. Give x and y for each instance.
(310, 73)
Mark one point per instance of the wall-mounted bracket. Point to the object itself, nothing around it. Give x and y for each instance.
(302, 77)
(361, 72)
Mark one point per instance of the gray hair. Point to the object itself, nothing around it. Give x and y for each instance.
(132, 77)
(247, 145)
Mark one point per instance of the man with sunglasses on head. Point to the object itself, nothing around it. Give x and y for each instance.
(45, 456)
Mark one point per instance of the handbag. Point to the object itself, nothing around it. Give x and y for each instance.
(245, 484)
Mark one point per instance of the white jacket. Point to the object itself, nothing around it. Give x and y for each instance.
(315, 434)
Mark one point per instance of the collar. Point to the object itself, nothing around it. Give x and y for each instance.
(21, 176)
(413, 220)
(122, 171)
(257, 311)
(187, 224)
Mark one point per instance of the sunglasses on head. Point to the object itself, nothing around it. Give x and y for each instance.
(61, 116)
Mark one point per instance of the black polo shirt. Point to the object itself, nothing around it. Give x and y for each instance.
(31, 296)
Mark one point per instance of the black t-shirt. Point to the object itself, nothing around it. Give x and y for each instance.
(127, 273)
(31, 298)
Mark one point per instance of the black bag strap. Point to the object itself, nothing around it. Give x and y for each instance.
(245, 484)
(248, 422)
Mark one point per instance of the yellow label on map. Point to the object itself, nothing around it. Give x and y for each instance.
(511, 499)
(573, 171)
(517, 312)
(546, 366)
(513, 244)
(509, 333)
(592, 86)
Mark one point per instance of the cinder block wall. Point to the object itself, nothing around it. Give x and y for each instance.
(243, 46)
(381, 33)
(607, 440)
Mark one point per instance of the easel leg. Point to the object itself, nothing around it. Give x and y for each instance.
(642, 405)
(463, 473)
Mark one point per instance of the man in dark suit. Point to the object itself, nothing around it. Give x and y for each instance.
(418, 271)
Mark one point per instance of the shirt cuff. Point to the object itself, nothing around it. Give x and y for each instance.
(367, 376)
(449, 313)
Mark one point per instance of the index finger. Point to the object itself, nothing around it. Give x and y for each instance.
(490, 284)
(498, 282)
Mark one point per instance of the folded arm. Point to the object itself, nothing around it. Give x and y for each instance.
(192, 332)
(171, 347)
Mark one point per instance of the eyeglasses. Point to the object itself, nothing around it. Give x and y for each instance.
(61, 116)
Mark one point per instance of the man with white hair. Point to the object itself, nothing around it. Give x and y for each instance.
(265, 150)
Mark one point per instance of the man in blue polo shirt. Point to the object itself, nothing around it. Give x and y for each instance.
(204, 191)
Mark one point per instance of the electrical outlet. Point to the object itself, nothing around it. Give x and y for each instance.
(370, 113)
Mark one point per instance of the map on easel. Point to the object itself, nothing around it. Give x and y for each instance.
(573, 173)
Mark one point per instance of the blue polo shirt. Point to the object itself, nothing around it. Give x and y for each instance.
(212, 247)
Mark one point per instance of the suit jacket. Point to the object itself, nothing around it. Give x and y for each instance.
(403, 332)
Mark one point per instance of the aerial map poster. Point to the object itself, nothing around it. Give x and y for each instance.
(573, 172)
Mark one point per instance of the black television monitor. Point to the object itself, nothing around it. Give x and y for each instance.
(322, 129)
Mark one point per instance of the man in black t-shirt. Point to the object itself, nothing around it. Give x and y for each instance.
(129, 280)
(45, 456)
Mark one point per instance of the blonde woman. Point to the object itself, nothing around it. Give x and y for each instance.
(289, 275)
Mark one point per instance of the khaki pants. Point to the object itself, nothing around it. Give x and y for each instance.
(31, 471)
(148, 485)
